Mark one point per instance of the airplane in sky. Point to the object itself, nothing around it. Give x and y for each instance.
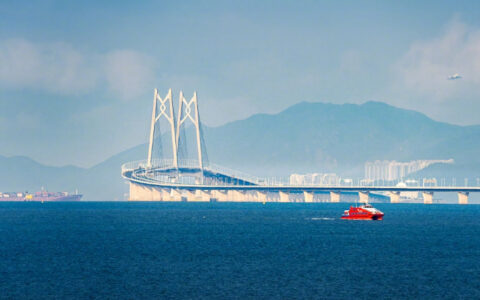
(454, 76)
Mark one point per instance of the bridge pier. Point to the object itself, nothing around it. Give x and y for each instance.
(427, 197)
(189, 195)
(221, 196)
(132, 192)
(165, 195)
(462, 197)
(148, 192)
(308, 197)
(196, 196)
(144, 193)
(236, 196)
(203, 196)
(363, 196)
(156, 194)
(261, 196)
(284, 197)
(394, 197)
(334, 196)
(140, 193)
(175, 195)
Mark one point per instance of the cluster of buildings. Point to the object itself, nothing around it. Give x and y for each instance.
(391, 170)
(384, 170)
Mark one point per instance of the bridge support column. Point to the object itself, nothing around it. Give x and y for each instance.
(220, 195)
(194, 196)
(363, 196)
(394, 197)
(284, 197)
(151, 193)
(427, 197)
(189, 195)
(334, 196)
(462, 197)
(166, 195)
(237, 196)
(132, 193)
(175, 195)
(308, 197)
(261, 196)
(143, 193)
(202, 196)
(156, 194)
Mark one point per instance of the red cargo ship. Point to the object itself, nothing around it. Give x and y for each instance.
(362, 212)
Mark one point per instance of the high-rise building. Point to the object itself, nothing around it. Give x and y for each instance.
(390, 170)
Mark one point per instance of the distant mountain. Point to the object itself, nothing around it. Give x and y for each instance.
(447, 173)
(19, 174)
(307, 137)
(101, 182)
(322, 137)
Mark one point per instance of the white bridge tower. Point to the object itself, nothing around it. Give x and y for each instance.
(187, 112)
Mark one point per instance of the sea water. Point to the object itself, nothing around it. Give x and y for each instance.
(237, 250)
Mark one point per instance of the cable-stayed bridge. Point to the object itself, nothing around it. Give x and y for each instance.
(177, 168)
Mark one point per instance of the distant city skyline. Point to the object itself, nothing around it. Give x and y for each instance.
(77, 78)
(391, 170)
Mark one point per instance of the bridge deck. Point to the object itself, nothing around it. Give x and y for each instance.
(248, 186)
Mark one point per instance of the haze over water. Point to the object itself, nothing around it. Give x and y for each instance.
(237, 250)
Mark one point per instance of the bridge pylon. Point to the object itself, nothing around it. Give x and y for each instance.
(188, 111)
(163, 108)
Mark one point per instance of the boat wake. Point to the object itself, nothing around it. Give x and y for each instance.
(322, 219)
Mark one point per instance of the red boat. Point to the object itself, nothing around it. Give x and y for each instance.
(362, 212)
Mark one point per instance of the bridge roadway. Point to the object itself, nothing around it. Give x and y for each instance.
(210, 184)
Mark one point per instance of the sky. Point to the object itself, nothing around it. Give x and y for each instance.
(77, 78)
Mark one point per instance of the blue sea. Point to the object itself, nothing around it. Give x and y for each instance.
(120, 250)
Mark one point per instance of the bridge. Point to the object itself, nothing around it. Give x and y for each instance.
(171, 174)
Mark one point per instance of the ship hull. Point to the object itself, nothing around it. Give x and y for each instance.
(364, 212)
(371, 217)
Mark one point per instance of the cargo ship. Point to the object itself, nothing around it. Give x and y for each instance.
(42, 196)
(362, 212)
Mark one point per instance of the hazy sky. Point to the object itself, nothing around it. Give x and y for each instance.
(77, 79)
